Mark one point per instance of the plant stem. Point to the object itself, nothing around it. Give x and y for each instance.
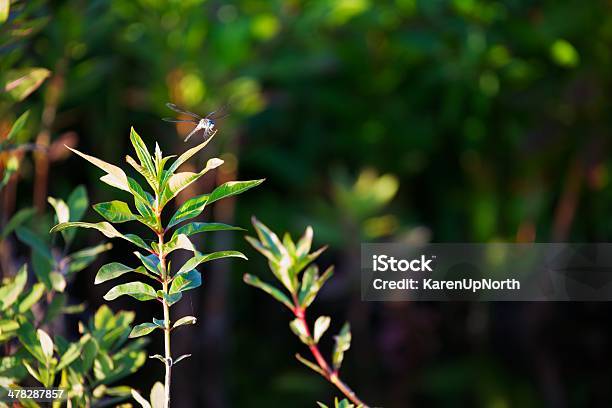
(329, 374)
(167, 353)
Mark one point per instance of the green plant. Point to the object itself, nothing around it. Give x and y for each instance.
(165, 185)
(85, 368)
(88, 366)
(288, 260)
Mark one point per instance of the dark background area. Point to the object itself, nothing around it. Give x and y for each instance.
(406, 120)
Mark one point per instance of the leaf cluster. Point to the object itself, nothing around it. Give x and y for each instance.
(164, 182)
(290, 262)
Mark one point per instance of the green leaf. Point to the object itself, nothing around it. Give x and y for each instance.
(311, 284)
(33, 372)
(115, 211)
(305, 242)
(89, 352)
(80, 260)
(8, 325)
(114, 177)
(310, 364)
(199, 259)
(46, 344)
(137, 290)
(5, 6)
(320, 326)
(21, 120)
(269, 240)
(78, 203)
(299, 329)
(151, 262)
(140, 399)
(33, 296)
(62, 211)
(111, 271)
(27, 337)
(194, 206)
(343, 343)
(70, 355)
(184, 321)
(147, 168)
(105, 228)
(29, 238)
(232, 188)
(9, 293)
(180, 358)
(12, 165)
(271, 290)
(22, 82)
(199, 227)
(19, 218)
(58, 282)
(171, 298)
(185, 281)
(186, 156)
(177, 182)
(177, 242)
(158, 396)
(142, 329)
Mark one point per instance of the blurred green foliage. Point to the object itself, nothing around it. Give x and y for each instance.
(492, 117)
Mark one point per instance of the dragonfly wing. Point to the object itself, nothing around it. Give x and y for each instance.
(180, 110)
(179, 120)
(222, 112)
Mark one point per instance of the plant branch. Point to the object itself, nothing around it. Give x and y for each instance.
(327, 372)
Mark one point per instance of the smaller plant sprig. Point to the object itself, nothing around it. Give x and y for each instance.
(165, 183)
(288, 260)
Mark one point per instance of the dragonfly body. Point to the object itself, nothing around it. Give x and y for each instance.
(205, 124)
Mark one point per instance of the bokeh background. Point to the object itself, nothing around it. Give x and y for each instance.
(406, 120)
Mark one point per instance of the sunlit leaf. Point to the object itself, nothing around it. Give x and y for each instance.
(140, 399)
(194, 206)
(199, 227)
(142, 329)
(137, 290)
(271, 290)
(33, 296)
(320, 326)
(21, 120)
(46, 344)
(184, 281)
(158, 396)
(180, 358)
(184, 321)
(298, 327)
(111, 271)
(70, 355)
(9, 293)
(114, 211)
(114, 177)
(29, 339)
(5, 6)
(105, 228)
(23, 81)
(343, 343)
(199, 259)
(177, 182)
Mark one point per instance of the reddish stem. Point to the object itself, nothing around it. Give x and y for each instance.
(329, 374)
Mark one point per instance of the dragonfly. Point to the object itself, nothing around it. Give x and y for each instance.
(207, 123)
